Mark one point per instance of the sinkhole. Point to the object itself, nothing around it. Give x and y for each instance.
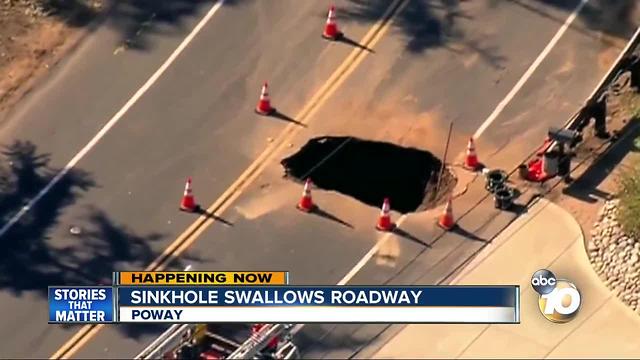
(369, 171)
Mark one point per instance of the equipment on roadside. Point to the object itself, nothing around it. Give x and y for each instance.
(272, 341)
(564, 137)
(495, 179)
(503, 197)
(558, 161)
(261, 339)
(545, 145)
(553, 159)
(272, 346)
(534, 171)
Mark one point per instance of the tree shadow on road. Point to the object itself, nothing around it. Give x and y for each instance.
(427, 25)
(37, 251)
(134, 20)
(424, 24)
(27, 261)
(617, 18)
(31, 260)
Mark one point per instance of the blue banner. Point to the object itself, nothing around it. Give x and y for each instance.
(434, 296)
(81, 304)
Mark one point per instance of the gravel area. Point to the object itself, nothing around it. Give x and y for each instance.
(616, 256)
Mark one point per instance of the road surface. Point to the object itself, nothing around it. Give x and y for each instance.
(196, 119)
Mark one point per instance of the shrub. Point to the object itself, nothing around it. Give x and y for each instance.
(629, 207)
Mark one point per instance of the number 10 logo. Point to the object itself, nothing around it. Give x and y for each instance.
(559, 299)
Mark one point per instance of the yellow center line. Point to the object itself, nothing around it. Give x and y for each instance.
(189, 236)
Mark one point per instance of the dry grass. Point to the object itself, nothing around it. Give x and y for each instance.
(33, 35)
(629, 180)
(629, 194)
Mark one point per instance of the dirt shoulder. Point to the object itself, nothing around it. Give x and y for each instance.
(34, 35)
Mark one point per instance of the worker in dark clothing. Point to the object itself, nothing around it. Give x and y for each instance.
(188, 351)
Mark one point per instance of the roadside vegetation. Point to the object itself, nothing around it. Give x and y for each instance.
(629, 180)
(629, 195)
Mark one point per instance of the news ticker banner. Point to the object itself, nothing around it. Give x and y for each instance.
(174, 302)
(155, 278)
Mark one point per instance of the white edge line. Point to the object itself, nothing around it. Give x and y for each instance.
(365, 259)
(534, 66)
(114, 120)
(369, 255)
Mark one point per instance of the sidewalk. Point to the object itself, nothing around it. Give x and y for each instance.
(546, 237)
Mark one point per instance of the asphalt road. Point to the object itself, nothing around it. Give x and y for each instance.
(197, 120)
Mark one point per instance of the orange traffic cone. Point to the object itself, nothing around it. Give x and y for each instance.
(471, 159)
(331, 31)
(264, 104)
(188, 202)
(306, 203)
(384, 221)
(446, 219)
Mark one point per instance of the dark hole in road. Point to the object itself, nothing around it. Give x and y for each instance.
(369, 171)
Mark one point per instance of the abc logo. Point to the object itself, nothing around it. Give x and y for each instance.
(559, 299)
(543, 281)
